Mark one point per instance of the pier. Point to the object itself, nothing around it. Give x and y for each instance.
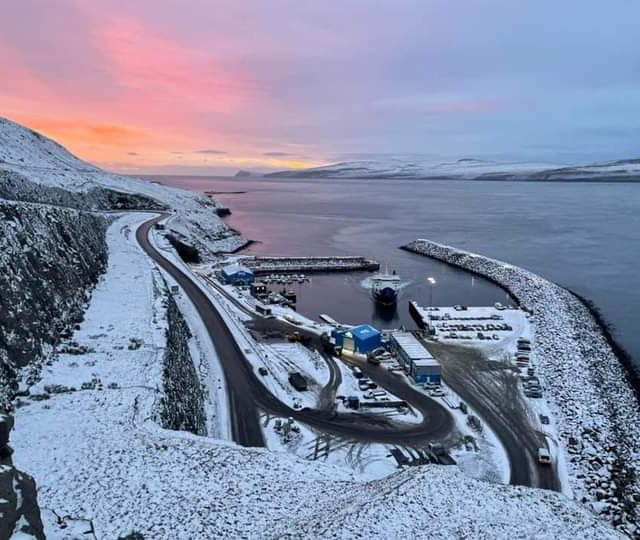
(268, 265)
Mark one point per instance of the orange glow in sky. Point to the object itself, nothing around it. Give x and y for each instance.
(213, 86)
(141, 102)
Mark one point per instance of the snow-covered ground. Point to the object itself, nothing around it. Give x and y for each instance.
(80, 434)
(98, 455)
(486, 459)
(499, 328)
(585, 386)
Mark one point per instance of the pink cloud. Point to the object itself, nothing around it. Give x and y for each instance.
(164, 73)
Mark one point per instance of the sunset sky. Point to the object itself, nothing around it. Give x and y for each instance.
(212, 86)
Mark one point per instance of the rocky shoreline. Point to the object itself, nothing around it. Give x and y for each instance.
(587, 387)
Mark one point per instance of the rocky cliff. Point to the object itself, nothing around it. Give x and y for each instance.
(49, 259)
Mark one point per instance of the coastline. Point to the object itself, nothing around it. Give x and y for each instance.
(588, 386)
(625, 359)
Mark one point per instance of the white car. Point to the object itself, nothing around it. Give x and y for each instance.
(544, 457)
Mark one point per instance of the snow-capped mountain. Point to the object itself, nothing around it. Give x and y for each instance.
(471, 169)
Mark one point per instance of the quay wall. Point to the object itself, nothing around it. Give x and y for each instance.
(266, 265)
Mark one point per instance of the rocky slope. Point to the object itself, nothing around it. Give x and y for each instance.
(182, 404)
(52, 253)
(50, 258)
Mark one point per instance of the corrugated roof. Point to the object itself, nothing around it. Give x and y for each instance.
(422, 362)
(235, 268)
(411, 346)
(364, 331)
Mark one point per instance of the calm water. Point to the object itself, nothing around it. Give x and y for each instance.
(582, 236)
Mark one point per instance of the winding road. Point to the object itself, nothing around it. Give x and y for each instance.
(248, 396)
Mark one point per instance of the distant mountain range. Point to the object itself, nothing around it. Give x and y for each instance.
(624, 170)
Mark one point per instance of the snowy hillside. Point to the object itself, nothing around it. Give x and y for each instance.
(470, 169)
(20, 146)
(97, 454)
(43, 161)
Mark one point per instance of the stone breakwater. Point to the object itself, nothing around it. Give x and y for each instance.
(586, 386)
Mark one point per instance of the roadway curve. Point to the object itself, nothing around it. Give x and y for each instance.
(247, 394)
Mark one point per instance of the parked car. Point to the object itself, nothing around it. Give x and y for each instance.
(263, 371)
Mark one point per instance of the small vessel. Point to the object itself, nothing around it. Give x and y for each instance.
(384, 288)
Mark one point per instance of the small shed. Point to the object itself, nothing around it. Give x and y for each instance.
(425, 370)
(236, 274)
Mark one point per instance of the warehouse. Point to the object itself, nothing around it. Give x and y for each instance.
(416, 360)
(361, 339)
(236, 274)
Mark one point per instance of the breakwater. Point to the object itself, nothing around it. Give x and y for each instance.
(587, 387)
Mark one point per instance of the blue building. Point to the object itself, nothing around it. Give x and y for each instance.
(416, 360)
(361, 339)
(236, 274)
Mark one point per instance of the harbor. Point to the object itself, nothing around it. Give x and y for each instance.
(418, 377)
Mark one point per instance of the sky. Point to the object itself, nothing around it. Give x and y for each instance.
(214, 86)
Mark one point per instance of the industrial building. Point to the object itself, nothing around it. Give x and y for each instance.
(236, 274)
(361, 339)
(416, 360)
(425, 370)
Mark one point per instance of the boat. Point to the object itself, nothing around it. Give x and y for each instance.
(384, 288)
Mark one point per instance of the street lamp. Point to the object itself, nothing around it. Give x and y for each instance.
(432, 282)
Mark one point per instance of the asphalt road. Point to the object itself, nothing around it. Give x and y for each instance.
(491, 389)
(328, 393)
(245, 425)
(247, 395)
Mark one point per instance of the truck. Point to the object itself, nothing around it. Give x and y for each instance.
(353, 402)
(262, 309)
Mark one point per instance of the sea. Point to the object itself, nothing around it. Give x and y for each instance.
(583, 236)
